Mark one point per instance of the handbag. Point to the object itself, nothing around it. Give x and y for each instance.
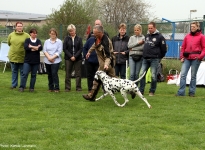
(136, 57)
(186, 54)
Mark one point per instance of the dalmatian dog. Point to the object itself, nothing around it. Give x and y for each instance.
(113, 85)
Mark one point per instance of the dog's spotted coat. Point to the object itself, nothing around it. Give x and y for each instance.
(113, 85)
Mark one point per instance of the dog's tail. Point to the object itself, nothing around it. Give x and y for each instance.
(139, 78)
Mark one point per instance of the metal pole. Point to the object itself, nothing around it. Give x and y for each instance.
(6, 24)
(190, 18)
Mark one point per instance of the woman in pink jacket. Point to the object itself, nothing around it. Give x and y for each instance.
(191, 55)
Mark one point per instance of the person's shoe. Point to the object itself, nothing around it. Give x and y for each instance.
(177, 95)
(87, 97)
(67, 90)
(151, 94)
(191, 95)
(12, 87)
(133, 95)
(50, 90)
(78, 90)
(56, 91)
(21, 90)
(31, 90)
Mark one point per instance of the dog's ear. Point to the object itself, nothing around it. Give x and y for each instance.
(96, 75)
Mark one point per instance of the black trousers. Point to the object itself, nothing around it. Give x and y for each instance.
(91, 69)
(69, 65)
(53, 79)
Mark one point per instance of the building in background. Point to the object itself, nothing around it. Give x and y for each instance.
(9, 18)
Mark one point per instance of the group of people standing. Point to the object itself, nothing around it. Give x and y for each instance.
(142, 51)
(101, 53)
(24, 55)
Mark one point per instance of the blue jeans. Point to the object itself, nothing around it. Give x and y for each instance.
(26, 69)
(194, 64)
(151, 63)
(53, 79)
(15, 67)
(120, 70)
(134, 68)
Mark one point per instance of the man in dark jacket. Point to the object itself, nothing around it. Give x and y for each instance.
(91, 63)
(154, 50)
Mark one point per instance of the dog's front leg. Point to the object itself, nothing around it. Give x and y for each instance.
(101, 97)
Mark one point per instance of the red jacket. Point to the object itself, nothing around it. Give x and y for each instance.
(193, 43)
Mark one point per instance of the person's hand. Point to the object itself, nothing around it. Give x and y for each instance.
(105, 67)
(72, 58)
(51, 59)
(141, 42)
(30, 46)
(182, 60)
(87, 55)
(123, 53)
(115, 52)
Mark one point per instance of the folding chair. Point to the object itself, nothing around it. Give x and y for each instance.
(4, 54)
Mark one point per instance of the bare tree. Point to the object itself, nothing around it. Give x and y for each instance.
(118, 11)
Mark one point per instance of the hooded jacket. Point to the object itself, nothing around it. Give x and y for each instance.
(154, 46)
(133, 45)
(193, 43)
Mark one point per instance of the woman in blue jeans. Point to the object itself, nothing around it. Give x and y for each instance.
(32, 48)
(16, 54)
(52, 49)
(191, 54)
(136, 45)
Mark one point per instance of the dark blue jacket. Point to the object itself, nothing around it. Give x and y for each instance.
(32, 57)
(93, 56)
(154, 46)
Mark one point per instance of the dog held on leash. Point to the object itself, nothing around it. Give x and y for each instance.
(113, 85)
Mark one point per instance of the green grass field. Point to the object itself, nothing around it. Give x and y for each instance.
(65, 121)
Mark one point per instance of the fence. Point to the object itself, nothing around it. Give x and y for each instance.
(174, 33)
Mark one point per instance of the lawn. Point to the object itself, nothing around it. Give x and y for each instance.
(65, 121)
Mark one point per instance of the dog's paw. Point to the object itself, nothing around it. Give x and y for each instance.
(150, 107)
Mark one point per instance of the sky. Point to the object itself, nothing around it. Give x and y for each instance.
(168, 9)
